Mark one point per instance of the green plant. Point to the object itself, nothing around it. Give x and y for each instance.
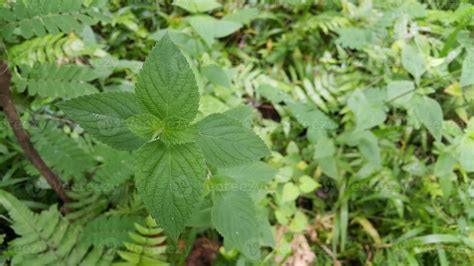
(172, 152)
(47, 238)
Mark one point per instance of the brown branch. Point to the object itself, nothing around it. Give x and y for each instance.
(22, 136)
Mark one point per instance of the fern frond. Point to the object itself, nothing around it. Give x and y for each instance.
(109, 230)
(47, 238)
(87, 203)
(61, 153)
(37, 18)
(49, 48)
(149, 246)
(326, 22)
(52, 80)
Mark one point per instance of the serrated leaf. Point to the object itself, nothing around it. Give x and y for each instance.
(178, 132)
(234, 216)
(413, 61)
(242, 113)
(103, 116)
(430, 114)
(170, 180)
(144, 125)
(227, 143)
(166, 86)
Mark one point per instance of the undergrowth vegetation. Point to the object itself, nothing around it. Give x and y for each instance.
(208, 132)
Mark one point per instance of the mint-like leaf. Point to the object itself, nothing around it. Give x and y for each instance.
(166, 86)
(103, 115)
(144, 125)
(170, 180)
(227, 143)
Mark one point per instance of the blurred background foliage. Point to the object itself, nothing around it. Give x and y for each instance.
(366, 105)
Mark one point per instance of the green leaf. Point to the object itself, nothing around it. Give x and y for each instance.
(290, 192)
(227, 143)
(430, 114)
(354, 38)
(243, 15)
(466, 153)
(242, 113)
(169, 131)
(178, 132)
(52, 80)
(307, 184)
(467, 77)
(369, 147)
(368, 108)
(234, 216)
(210, 28)
(400, 91)
(198, 6)
(273, 94)
(413, 61)
(166, 86)
(257, 172)
(216, 75)
(103, 115)
(309, 115)
(170, 180)
(144, 125)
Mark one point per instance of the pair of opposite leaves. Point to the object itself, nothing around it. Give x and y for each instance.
(172, 152)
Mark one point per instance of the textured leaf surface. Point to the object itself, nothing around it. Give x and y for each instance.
(144, 125)
(226, 143)
(170, 180)
(166, 86)
(103, 115)
(234, 217)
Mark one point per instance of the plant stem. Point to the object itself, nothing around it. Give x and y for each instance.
(23, 137)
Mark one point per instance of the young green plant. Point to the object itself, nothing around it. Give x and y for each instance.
(173, 152)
